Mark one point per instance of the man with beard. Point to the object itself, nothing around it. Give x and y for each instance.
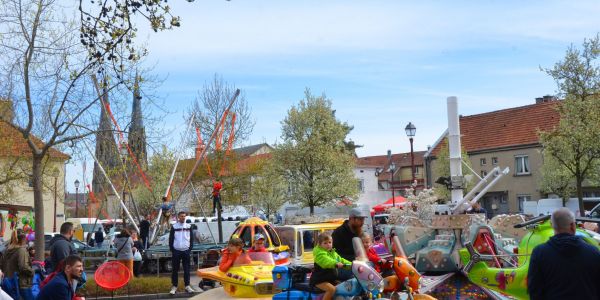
(61, 246)
(342, 238)
(61, 286)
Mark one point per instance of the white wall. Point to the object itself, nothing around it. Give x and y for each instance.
(371, 195)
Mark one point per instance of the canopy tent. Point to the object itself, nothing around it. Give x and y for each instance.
(399, 200)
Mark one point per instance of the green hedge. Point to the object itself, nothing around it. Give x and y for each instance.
(137, 286)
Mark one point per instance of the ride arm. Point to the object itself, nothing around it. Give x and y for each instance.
(535, 284)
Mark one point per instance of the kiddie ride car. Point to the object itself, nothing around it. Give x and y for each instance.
(512, 280)
(292, 280)
(249, 277)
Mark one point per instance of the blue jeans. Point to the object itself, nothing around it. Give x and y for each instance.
(181, 257)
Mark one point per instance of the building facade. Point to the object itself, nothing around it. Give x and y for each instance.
(505, 138)
(16, 196)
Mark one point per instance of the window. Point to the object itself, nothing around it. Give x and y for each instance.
(521, 199)
(361, 185)
(287, 237)
(30, 181)
(482, 161)
(522, 165)
(273, 235)
(416, 170)
(483, 173)
(246, 236)
(494, 161)
(309, 239)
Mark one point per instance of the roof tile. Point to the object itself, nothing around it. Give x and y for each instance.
(505, 128)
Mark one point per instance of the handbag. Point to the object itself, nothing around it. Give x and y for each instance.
(137, 256)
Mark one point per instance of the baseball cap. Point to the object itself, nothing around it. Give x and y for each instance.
(357, 213)
(258, 236)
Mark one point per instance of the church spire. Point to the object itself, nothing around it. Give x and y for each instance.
(137, 132)
(106, 147)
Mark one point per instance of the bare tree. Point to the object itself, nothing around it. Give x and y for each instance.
(211, 103)
(45, 72)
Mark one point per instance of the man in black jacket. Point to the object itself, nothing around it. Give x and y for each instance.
(342, 237)
(61, 246)
(181, 242)
(144, 231)
(565, 267)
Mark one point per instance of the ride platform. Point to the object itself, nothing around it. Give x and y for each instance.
(219, 293)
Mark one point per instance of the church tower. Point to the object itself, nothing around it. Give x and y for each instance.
(137, 133)
(107, 152)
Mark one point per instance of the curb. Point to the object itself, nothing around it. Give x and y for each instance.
(149, 296)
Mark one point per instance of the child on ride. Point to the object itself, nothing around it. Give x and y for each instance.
(327, 261)
(231, 253)
(259, 244)
(379, 263)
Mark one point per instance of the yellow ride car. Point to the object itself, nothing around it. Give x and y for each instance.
(303, 238)
(247, 229)
(249, 277)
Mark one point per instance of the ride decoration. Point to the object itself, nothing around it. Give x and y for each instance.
(13, 219)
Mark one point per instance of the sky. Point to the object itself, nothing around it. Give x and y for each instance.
(382, 63)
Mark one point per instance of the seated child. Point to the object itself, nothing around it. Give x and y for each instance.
(327, 261)
(378, 263)
(231, 253)
(259, 244)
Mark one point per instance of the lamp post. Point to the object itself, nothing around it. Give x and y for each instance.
(55, 174)
(410, 132)
(123, 152)
(76, 198)
(392, 169)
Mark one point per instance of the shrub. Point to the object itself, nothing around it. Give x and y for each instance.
(137, 286)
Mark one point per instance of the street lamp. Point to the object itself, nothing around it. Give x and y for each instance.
(76, 198)
(123, 152)
(392, 169)
(410, 132)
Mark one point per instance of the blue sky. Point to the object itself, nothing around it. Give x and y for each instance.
(383, 63)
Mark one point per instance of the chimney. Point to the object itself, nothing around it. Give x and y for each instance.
(7, 112)
(544, 99)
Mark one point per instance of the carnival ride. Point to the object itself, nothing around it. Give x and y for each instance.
(292, 281)
(252, 226)
(506, 275)
(249, 277)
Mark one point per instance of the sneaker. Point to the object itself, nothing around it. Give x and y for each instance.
(189, 289)
(173, 290)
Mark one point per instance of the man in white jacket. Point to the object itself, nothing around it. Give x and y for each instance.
(181, 242)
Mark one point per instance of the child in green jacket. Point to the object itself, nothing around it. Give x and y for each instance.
(327, 261)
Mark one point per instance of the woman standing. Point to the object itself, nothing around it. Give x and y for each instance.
(17, 261)
(137, 244)
(124, 246)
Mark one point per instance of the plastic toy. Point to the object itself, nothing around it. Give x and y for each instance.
(249, 277)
